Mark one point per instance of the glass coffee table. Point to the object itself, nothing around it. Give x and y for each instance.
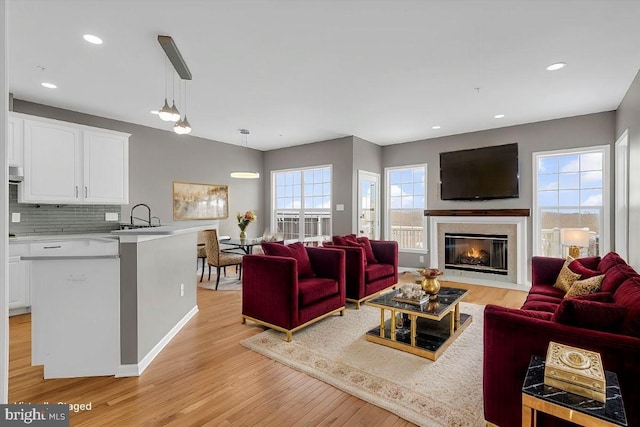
(424, 330)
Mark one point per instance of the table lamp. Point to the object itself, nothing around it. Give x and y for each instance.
(574, 238)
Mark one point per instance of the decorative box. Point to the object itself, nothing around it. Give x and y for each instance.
(413, 301)
(575, 370)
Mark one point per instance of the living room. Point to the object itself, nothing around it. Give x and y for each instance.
(158, 157)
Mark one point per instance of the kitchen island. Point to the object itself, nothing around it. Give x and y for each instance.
(157, 290)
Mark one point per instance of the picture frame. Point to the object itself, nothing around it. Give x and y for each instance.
(200, 201)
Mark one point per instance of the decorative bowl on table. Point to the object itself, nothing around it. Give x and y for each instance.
(430, 283)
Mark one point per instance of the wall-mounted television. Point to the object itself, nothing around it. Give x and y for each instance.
(480, 174)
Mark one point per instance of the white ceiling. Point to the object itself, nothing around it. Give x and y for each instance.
(295, 72)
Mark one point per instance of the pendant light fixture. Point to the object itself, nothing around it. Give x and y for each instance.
(166, 113)
(244, 174)
(182, 126)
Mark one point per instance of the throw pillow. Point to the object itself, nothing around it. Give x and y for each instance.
(586, 286)
(276, 249)
(339, 240)
(599, 316)
(299, 252)
(616, 276)
(368, 250)
(596, 296)
(566, 277)
(609, 260)
(584, 272)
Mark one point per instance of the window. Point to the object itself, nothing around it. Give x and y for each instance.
(302, 201)
(571, 192)
(405, 205)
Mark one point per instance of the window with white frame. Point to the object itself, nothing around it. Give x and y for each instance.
(302, 204)
(571, 201)
(405, 204)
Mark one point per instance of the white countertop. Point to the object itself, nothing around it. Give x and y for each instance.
(150, 233)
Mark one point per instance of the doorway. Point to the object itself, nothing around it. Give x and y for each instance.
(369, 204)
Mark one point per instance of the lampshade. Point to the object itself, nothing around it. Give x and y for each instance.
(575, 237)
(165, 112)
(182, 127)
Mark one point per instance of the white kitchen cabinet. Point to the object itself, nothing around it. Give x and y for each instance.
(19, 286)
(106, 171)
(14, 141)
(70, 163)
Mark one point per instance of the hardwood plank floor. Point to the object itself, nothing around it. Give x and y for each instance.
(204, 376)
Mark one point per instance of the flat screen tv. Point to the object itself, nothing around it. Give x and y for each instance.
(480, 174)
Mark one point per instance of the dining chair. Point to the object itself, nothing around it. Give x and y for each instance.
(202, 252)
(218, 259)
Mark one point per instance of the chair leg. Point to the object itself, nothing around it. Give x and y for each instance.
(218, 279)
(202, 274)
(240, 274)
(225, 271)
(209, 279)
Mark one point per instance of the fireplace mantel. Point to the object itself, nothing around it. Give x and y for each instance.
(478, 212)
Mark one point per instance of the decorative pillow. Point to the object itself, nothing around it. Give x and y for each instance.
(339, 240)
(586, 286)
(566, 277)
(596, 296)
(616, 276)
(296, 251)
(609, 260)
(368, 250)
(628, 295)
(599, 316)
(585, 273)
(299, 252)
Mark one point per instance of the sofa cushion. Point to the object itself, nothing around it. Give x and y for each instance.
(540, 306)
(296, 251)
(543, 315)
(609, 260)
(315, 289)
(368, 250)
(586, 286)
(628, 295)
(566, 277)
(544, 298)
(615, 276)
(577, 267)
(377, 271)
(340, 241)
(599, 316)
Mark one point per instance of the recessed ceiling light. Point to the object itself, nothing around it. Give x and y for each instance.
(49, 85)
(435, 127)
(92, 39)
(155, 112)
(499, 116)
(556, 66)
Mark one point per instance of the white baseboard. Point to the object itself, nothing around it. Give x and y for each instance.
(136, 369)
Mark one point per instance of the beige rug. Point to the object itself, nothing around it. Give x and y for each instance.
(447, 392)
(228, 283)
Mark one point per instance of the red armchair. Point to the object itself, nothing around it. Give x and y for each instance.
(287, 293)
(365, 279)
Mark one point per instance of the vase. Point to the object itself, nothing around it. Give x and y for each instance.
(431, 285)
(243, 235)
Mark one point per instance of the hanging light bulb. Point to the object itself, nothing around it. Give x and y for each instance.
(182, 127)
(175, 114)
(165, 112)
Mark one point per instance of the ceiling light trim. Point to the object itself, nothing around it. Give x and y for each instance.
(171, 50)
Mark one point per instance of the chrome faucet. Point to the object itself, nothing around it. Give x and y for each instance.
(148, 221)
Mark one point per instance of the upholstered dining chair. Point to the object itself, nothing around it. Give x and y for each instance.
(218, 259)
(202, 253)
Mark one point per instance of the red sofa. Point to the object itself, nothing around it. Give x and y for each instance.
(292, 286)
(607, 322)
(371, 265)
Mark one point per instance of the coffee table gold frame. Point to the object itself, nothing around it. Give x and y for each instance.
(451, 310)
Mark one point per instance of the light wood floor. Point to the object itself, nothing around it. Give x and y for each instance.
(206, 377)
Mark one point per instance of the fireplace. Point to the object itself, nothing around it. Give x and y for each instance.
(482, 253)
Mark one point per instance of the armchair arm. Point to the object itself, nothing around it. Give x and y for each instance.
(510, 339)
(270, 289)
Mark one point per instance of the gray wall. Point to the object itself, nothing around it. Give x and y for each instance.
(572, 132)
(4, 249)
(628, 117)
(159, 157)
(336, 152)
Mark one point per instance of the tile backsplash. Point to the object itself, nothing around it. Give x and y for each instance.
(59, 219)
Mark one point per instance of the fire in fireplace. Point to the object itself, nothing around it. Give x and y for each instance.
(485, 253)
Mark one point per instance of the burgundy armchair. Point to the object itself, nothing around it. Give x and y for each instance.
(366, 279)
(286, 295)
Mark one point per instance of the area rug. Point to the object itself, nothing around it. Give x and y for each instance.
(228, 283)
(447, 392)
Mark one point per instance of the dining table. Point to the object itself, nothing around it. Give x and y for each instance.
(246, 245)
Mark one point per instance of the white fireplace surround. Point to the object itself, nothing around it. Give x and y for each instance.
(517, 245)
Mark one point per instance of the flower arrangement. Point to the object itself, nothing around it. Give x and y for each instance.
(245, 219)
(430, 272)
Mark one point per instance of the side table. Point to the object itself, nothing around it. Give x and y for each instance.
(539, 397)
